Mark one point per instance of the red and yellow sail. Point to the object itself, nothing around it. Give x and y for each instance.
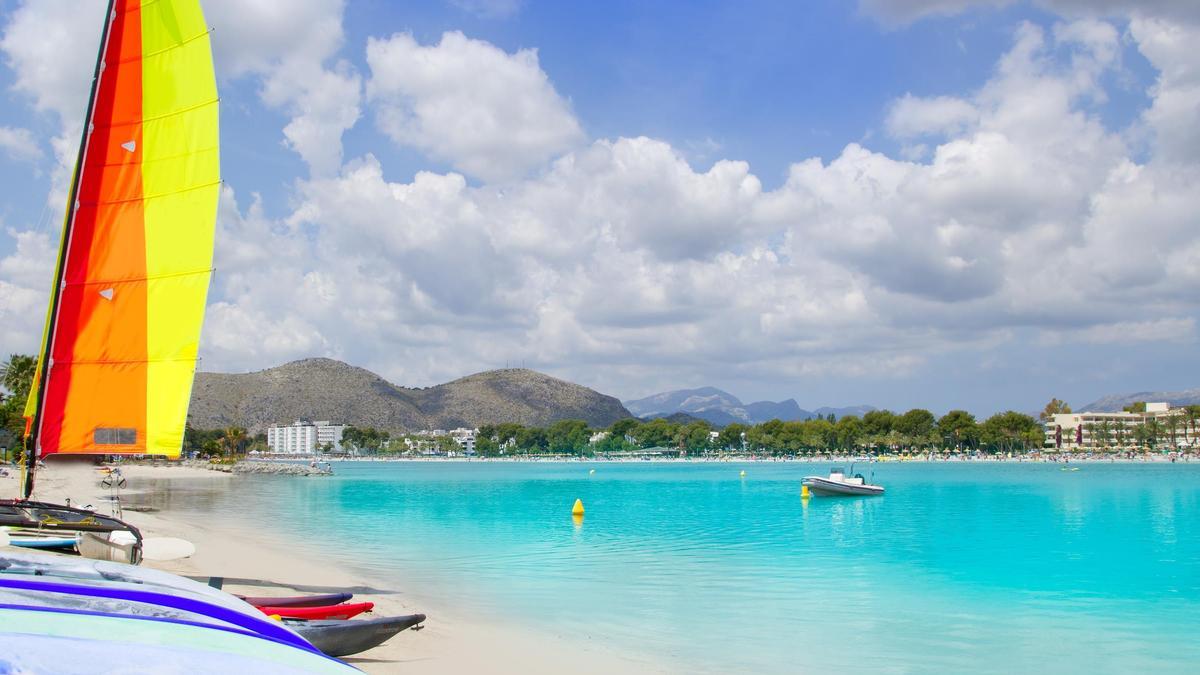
(124, 325)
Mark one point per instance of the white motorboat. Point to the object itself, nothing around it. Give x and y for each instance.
(839, 484)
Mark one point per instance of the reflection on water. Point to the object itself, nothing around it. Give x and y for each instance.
(957, 568)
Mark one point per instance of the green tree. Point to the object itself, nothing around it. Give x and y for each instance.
(612, 443)
(568, 436)
(768, 436)
(1141, 436)
(657, 433)
(878, 422)
(820, 433)
(446, 445)
(694, 437)
(532, 440)
(850, 431)
(488, 431)
(486, 446)
(626, 426)
(1054, 407)
(1009, 431)
(1091, 432)
(365, 439)
(730, 438)
(233, 440)
(1154, 431)
(1135, 407)
(958, 429)
(508, 432)
(917, 425)
(1172, 424)
(1192, 415)
(1105, 428)
(201, 440)
(16, 375)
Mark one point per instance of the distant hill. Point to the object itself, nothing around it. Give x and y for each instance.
(1116, 402)
(326, 389)
(839, 413)
(721, 408)
(675, 418)
(683, 400)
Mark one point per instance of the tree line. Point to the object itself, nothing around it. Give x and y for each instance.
(878, 431)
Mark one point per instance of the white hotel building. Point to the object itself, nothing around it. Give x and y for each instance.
(1116, 430)
(303, 437)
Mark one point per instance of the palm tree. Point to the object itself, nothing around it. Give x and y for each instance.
(1091, 430)
(16, 375)
(233, 439)
(1172, 427)
(1192, 412)
(1152, 429)
(1105, 433)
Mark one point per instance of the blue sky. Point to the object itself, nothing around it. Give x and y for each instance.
(936, 203)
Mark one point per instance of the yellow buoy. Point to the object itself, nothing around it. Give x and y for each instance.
(591, 472)
(577, 510)
(804, 494)
(743, 474)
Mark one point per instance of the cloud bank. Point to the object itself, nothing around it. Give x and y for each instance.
(1013, 210)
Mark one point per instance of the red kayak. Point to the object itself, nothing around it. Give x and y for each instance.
(298, 600)
(324, 612)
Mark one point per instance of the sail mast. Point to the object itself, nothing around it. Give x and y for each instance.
(42, 370)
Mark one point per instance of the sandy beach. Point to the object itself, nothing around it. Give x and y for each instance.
(450, 642)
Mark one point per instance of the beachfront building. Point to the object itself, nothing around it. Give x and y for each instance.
(329, 434)
(1085, 431)
(465, 439)
(420, 446)
(303, 437)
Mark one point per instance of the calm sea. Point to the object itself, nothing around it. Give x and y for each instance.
(958, 568)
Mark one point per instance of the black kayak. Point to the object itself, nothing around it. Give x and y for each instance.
(299, 600)
(343, 638)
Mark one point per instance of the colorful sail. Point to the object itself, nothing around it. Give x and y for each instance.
(120, 346)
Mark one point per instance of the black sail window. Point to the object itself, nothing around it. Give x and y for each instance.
(115, 436)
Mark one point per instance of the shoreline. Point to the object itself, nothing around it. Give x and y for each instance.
(453, 640)
(1020, 459)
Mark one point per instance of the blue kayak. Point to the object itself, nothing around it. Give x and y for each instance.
(42, 541)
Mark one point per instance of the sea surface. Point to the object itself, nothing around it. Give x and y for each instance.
(960, 567)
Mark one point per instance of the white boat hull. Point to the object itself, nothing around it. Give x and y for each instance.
(832, 488)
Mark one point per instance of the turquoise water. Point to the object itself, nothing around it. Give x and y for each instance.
(959, 567)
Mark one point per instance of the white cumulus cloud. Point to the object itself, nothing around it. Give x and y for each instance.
(468, 103)
(19, 144)
(291, 47)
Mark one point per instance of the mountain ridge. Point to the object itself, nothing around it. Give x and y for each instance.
(327, 389)
(721, 408)
(1116, 402)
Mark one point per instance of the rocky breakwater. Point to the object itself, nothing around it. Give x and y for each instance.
(272, 468)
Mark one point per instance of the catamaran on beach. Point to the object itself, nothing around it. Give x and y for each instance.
(114, 377)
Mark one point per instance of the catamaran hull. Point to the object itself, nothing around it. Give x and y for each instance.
(343, 638)
(323, 600)
(829, 488)
(345, 611)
